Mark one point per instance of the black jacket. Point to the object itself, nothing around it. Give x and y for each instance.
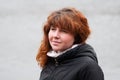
(79, 63)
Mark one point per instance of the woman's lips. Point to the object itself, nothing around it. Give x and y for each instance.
(55, 42)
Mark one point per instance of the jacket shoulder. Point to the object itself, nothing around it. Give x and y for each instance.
(92, 71)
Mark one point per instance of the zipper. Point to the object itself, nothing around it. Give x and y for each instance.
(52, 75)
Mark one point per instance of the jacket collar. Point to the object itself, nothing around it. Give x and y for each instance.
(56, 54)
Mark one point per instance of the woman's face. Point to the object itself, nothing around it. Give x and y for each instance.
(59, 39)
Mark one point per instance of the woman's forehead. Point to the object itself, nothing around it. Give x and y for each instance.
(57, 26)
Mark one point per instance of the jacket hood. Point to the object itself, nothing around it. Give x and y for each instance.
(79, 51)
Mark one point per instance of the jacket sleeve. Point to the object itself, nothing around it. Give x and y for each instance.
(92, 71)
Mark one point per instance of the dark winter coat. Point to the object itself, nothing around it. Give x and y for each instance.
(79, 63)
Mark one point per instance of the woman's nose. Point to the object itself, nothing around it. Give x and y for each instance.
(57, 34)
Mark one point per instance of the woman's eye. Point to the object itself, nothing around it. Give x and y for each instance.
(64, 31)
(52, 28)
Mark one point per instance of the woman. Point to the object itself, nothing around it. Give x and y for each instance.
(64, 53)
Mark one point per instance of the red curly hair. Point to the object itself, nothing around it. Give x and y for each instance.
(69, 19)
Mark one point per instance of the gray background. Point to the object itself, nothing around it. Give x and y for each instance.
(21, 31)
